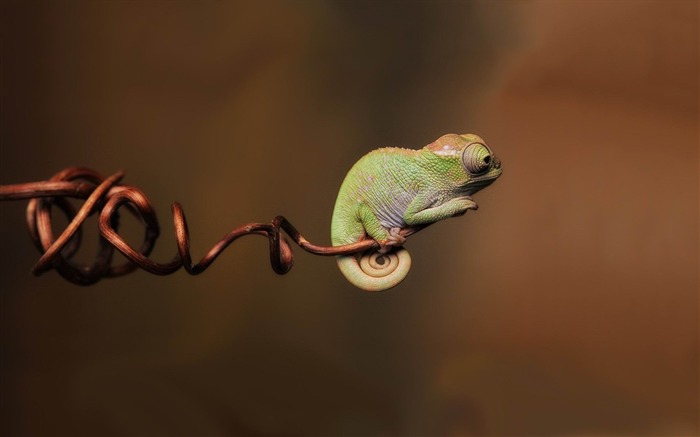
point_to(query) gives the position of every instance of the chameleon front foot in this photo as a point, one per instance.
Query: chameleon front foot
(375, 271)
(466, 204)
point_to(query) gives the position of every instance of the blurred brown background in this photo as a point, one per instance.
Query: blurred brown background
(567, 305)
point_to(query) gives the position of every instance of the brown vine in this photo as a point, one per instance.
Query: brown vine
(105, 196)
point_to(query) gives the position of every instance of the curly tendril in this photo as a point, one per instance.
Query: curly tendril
(105, 196)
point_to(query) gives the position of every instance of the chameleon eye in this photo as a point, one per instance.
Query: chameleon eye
(476, 158)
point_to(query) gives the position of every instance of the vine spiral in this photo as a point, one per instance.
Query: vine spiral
(105, 196)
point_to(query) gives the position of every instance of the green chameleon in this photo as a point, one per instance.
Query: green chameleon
(392, 192)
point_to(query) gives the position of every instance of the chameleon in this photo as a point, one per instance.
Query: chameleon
(393, 192)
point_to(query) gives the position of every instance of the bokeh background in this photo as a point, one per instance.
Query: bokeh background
(567, 305)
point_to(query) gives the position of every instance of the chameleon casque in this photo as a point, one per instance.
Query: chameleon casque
(393, 192)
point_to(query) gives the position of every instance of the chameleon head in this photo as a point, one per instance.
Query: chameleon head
(480, 166)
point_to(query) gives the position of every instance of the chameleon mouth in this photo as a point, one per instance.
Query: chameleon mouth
(484, 181)
(488, 177)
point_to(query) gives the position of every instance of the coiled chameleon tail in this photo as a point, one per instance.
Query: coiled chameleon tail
(374, 271)
(393, 192)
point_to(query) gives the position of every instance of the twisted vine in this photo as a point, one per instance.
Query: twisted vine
(105, 196)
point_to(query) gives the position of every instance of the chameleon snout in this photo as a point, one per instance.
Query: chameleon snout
(496, 161)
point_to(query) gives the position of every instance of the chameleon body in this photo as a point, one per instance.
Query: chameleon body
(393, 192)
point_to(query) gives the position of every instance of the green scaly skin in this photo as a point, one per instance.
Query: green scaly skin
(393, 192)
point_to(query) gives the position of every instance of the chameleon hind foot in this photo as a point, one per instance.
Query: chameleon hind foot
(395, 239)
